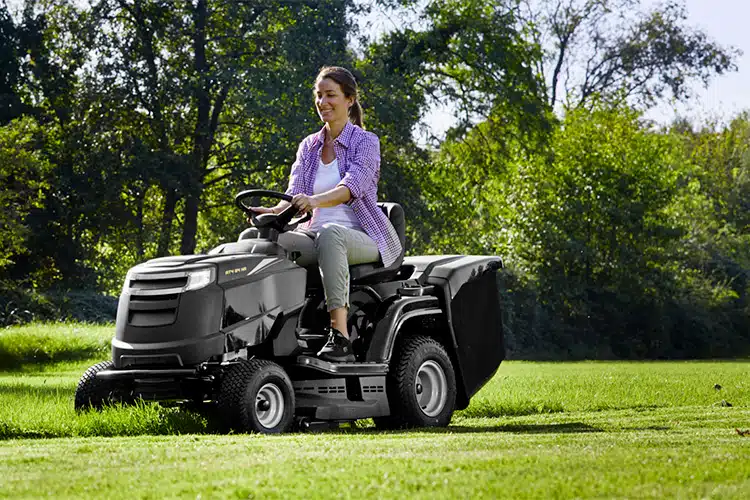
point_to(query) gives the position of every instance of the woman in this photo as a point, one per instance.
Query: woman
(336, 175)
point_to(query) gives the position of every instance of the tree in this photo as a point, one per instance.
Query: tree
(23, 175)
(155, 109)
(9, 67)
(204, 74)
(715, 207)
(616, 49)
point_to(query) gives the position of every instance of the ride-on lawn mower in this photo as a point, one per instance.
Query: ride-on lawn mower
(237, 330)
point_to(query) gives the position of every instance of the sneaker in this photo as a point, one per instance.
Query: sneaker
(337, 349)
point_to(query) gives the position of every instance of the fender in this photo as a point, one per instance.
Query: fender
(388, 327)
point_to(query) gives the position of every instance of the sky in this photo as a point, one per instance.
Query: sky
(727, 22)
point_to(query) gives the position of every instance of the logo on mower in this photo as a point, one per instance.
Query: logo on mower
(238, 270)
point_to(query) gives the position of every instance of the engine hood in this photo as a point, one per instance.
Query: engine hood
(228, 267)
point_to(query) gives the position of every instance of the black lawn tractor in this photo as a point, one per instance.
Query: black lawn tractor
(236, 331)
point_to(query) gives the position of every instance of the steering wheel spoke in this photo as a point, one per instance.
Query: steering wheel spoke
(287, 220)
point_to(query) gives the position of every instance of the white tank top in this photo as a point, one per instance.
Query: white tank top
(326, 179)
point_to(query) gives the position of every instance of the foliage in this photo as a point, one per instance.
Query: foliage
(598, 233)
(23, 176)
(10, 102)
(621, 49)
(20, 305)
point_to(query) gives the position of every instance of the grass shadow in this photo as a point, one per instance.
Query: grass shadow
(136, 419)
(559, 428)
(36, 390)
(499, 411)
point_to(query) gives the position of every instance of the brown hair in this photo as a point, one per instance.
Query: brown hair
(348, 84)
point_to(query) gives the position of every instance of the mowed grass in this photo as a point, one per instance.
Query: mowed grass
(53, 342)
(536, 430)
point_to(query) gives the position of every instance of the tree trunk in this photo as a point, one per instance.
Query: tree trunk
(190, 228)
(201, 134)
(207, 122)
(165, 234)
(139, 225)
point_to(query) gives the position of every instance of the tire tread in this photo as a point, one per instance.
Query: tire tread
(90, 390)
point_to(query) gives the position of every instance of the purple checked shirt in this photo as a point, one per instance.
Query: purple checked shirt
(358, 155)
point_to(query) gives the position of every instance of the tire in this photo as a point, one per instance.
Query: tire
(92, 392)
(421, 386)
(256, 396)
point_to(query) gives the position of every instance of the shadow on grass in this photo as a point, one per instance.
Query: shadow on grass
(137, 419)
(565, 428)
(485, 409)
(41, 391)
(561, 428)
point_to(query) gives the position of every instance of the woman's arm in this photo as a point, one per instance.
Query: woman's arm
(277, 209)
(336, 196)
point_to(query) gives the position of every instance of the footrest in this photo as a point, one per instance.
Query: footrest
(306, 333)
(311, 341)
(355, 368)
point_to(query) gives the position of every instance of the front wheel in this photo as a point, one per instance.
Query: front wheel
(256, 396)
(421, 385)
(91, 391)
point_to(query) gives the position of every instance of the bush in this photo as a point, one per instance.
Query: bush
(22, 305)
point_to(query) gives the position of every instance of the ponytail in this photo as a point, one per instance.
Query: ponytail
(355, 114)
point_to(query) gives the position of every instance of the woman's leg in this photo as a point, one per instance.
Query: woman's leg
(339, 247)
(294, 241)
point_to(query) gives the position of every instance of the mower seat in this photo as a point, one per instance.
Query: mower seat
(367, 274)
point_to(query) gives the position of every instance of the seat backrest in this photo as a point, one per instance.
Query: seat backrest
(374, 273)
(395, 214)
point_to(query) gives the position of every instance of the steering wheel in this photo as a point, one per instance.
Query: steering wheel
(282, 222)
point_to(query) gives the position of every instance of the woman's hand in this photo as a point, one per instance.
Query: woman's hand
(304, 203)
(259, 211)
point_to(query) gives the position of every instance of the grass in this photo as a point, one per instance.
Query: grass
(53, 342)
(537, 430)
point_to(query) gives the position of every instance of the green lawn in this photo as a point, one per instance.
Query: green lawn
(53, 342)
(543, 430)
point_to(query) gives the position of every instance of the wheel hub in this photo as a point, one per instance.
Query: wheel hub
(431, 387)
(269, 405)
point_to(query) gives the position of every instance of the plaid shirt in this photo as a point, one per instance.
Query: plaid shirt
(358, 155)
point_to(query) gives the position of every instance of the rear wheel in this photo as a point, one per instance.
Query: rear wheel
(256, 396)
(92, 392)
(421, 385)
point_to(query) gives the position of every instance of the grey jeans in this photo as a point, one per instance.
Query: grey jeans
(334, 249)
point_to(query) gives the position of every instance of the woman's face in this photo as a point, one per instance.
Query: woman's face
(330, 101)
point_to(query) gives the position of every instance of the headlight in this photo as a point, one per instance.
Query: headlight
(168, 282)
(199, 279)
